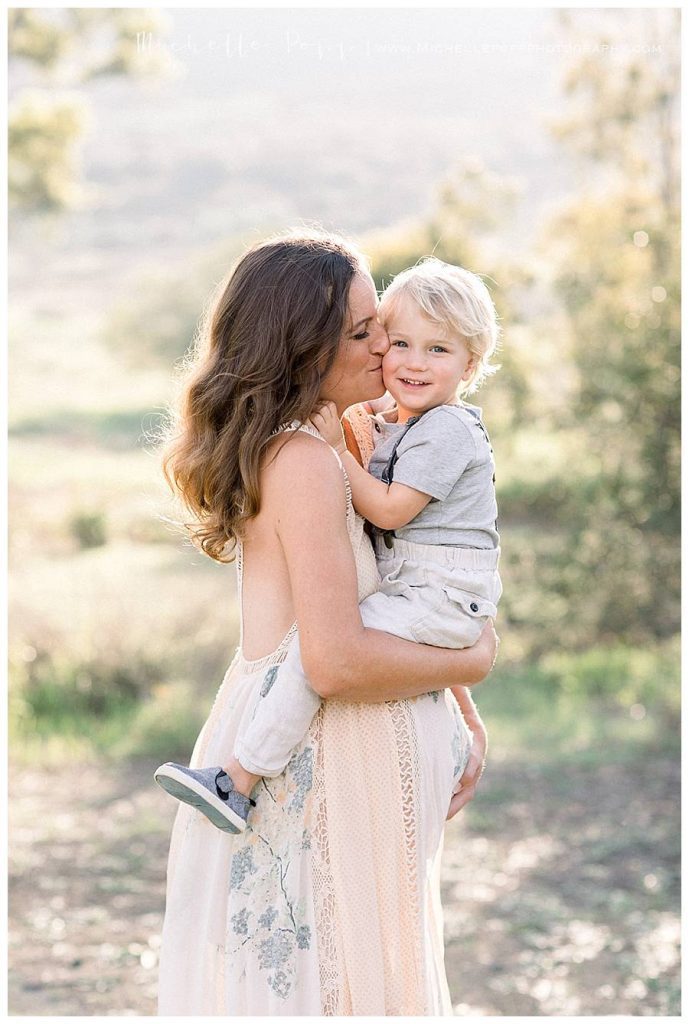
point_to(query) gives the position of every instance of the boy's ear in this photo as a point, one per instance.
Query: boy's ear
(471, 366)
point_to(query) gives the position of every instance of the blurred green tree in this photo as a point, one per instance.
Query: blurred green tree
(616, 262)
(471, 207)
(52, 52)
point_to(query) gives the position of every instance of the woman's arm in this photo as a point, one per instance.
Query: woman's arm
(341, 658)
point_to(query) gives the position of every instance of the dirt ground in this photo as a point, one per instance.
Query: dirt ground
(560, 887)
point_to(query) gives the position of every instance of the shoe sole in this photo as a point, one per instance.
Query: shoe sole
(189, 791)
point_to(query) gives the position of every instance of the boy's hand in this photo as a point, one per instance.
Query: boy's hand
(384, 404)
(327, 423)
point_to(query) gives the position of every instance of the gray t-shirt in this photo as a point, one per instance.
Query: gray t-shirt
(446, 454)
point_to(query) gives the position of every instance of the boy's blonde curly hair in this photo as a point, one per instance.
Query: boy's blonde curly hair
(457, 300)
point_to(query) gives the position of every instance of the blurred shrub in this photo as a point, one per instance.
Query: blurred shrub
(470, 204)
(98, 638)
(570, 583)
(605, 702)
(158, 322)
(616, 271)
(88, 529)
(165, 725)
(623, 676)
(109, 710)
(54, 689)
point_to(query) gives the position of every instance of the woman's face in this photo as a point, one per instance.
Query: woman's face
(356, 374)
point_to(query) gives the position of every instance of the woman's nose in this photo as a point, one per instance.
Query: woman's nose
(380, 342)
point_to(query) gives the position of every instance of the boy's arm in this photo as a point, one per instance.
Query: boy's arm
(387, 506)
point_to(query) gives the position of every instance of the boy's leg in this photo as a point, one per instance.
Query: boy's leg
(281, 718)
(433, 617)
(209, 790)
(386, 612)
(242, 780)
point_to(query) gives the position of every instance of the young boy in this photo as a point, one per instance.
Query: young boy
(430, 494)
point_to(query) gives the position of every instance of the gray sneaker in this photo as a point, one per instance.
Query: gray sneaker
(210, 790)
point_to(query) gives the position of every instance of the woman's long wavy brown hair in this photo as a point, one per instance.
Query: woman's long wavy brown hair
(261, 354)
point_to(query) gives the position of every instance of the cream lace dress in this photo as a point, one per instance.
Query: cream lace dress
(329, 903)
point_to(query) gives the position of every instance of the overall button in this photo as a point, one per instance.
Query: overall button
(473, 606)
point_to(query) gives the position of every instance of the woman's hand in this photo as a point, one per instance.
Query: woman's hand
(465, 790)
(327, 423)
(486, 651)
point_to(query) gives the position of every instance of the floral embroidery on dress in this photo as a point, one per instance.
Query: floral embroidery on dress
(457, 753)
(462, 740)
(240, 922)
(242, 865)
(268, 918)
(267, 907)
(270, 678)
(301, 767)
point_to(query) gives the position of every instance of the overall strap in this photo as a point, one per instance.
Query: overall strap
(390, 467)
(481, 426)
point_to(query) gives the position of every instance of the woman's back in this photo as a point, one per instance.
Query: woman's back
(266, 587)
(267, 595)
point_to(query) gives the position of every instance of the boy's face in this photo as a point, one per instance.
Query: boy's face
(425, 363)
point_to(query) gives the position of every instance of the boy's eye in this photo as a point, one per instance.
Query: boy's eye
(399, 343)
(438, 348)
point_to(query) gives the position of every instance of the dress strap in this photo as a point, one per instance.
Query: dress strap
(239, 560)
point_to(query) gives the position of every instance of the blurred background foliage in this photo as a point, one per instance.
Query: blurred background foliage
(584, 414)
(65, 49)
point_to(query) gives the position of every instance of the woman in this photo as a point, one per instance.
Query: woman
(329, 903)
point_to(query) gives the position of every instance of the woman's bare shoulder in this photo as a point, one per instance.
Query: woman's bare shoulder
(297, 463)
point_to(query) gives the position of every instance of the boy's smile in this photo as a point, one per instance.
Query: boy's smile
(425, 363)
